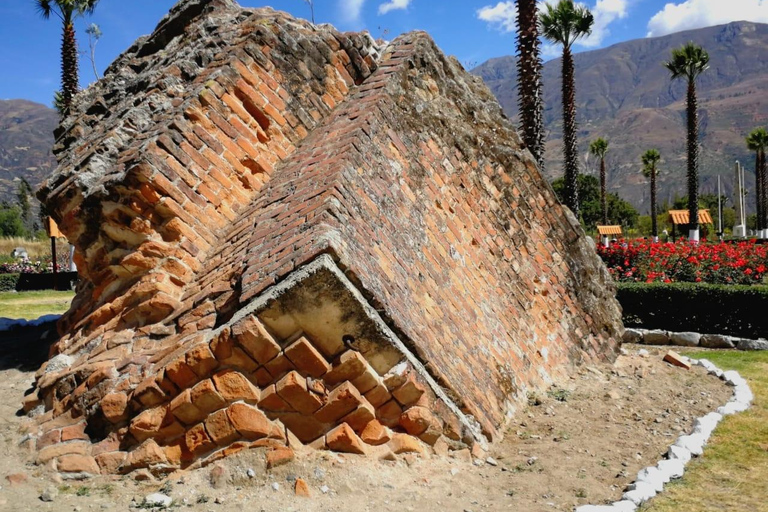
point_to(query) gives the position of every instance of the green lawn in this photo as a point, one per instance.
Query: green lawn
(31, 305)
(733, 473)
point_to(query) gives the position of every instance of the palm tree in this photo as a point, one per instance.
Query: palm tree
(757, 141)
(598, 148)
(529, 89)
(688, 62)
(67, 11)
(564, 24)
(650, 159)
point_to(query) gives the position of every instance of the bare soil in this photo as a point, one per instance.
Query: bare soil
(582, 442)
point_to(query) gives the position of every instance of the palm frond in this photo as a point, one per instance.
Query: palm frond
(566, 22)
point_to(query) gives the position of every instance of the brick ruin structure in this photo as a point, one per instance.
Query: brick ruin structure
(291, 236)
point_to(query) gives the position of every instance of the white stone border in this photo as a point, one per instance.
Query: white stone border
(650, 481)
(690, 339)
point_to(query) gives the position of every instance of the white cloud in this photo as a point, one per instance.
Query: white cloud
(692, 14)
(502, 17)
(351, 9)
(605, 13)
(392, 5)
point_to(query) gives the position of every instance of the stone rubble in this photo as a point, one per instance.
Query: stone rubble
(691, 339)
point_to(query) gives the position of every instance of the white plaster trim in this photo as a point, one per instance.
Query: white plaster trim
(650, 481)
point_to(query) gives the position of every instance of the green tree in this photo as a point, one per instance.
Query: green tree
(529, 87)
(10, 221)
(688, 62)
(67, 11)
(564, 24)
(619, 210)
(650, 159)
(757, 141)
(23, 191)
(598, 148)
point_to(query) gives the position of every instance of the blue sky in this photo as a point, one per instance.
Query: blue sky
(472, 30)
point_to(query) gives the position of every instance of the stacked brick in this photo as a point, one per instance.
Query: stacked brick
(231, 148)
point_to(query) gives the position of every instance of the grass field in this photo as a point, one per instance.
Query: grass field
(733, 473)
(35, 248)
(31, 305)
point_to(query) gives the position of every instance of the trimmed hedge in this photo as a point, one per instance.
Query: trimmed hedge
(705, 308)
(8, 282)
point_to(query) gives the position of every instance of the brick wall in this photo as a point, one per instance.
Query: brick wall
(231, 148)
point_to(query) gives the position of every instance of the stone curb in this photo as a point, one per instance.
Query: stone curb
(650, 481)
(691, 339)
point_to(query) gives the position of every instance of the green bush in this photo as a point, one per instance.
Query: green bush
(706, 308)
(8, 282)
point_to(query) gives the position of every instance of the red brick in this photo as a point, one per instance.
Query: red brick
(74, 432)
(306, 358)
(250, 421)
(183, 408)
(49, 438)
(367, 380)
(305, 428)
(220, 429)
(255, 339)
(271, 401)
(59, 449)
(349, 366)
(375, 434)
(279, 456)
(343, 439)
(403, 443)
(341, 401)
(77, 464)
(360, 417)
(293, 389)
(144, 455)
(233, 385)
(279, 366)
(416, 420)
(301, 488)
(200, 359)
(408, 393)
(389, 413)
(378, 395)
(262, 377)
(198, 441)
(181, 374)
(205, 397)
(110, 462)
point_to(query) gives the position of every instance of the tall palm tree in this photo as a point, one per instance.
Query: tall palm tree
(598, 148)
(650, 159)
(529, 88)
(688, 62)
(564, 24)
(757, 141)
(67, 11)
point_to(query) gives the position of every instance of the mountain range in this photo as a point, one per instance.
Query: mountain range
(26, 139)
(625, 95)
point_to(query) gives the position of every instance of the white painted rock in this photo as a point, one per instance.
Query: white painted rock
(679, 453)
(624, 506)
(733, 378)
(671, 468)
(651, 476)
(743, 394)
(595, 508)
(158, 500)
(706, 424)
(694, 443)
(642, 493)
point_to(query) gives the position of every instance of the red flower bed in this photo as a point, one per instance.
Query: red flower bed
(682, 261)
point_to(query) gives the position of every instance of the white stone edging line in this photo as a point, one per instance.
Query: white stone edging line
(650, 481)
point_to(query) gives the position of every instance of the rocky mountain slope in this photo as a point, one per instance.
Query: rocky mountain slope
(625, 94)
(26, 139)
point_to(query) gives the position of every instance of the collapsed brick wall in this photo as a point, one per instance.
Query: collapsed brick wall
(232, 150)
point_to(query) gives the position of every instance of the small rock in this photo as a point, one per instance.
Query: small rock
(613, 394)
(319, 474)
(531, 461)
(491, 462)
(301, 488)
(324, 489)
(454, 471)
(219, 501)
(656, 337)
(717, 341)
(745, 344)
(643, 353)
(16, 478)
(250, 473)
(219, 476)
(275, 486)
(632, 336)
(49, 494)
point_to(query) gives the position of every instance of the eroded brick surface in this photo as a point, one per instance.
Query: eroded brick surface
(206, 170)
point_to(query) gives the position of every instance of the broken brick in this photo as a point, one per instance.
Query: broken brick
(205, 397)
(249, 421)
(306, 358)
(233, 385)
(343, 439)
(340, 402)
(293, 389)
(279, 456)
(255, 340)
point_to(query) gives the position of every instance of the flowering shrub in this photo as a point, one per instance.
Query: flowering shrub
(682, 261)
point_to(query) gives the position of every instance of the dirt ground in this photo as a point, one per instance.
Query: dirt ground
(580, 443)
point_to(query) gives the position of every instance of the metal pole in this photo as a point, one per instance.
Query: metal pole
(55, 271)
(719, 211)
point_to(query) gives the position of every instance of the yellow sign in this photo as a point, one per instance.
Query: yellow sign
(52, 228)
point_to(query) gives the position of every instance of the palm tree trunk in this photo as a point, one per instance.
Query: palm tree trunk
(758, 191)
(603, 202)
(69, 71)
(764, 189)
(654, 227)
(569, 134)
(693, 157)
(529, 67)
